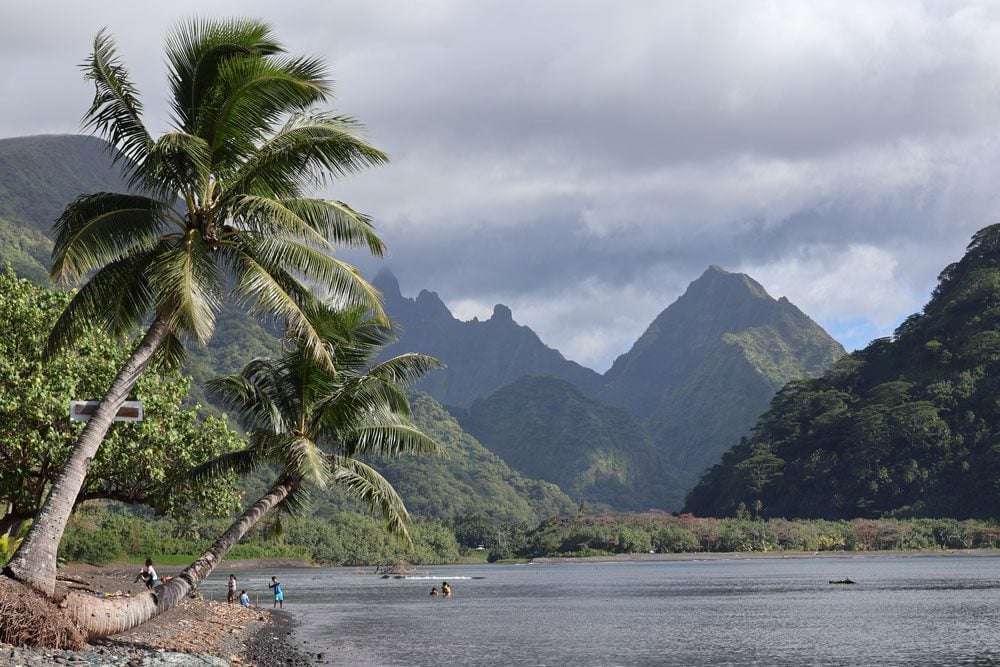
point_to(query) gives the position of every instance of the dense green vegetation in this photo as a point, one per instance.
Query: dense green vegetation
(470, 481)
(600, 455)
(99, 535)
(661, 533)
(906, 427)
(145, 462)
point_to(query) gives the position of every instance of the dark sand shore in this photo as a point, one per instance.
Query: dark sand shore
(195, 632)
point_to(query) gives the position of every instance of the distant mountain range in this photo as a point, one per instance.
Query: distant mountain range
(481, 356)
(635, 438)
(694, 383)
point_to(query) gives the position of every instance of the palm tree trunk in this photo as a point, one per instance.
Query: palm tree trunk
(101, 618)
(34, 563)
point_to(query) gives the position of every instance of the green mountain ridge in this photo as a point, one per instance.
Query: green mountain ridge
(907, 426)
(708, 365)
(482, 356)
(600, 455)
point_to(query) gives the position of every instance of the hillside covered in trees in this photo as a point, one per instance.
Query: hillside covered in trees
(601, 455)
(908, 426)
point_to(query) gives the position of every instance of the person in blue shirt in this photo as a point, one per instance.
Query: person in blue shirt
(279, 598)
(244, 599)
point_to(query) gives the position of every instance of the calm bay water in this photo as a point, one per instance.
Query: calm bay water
(942, 610)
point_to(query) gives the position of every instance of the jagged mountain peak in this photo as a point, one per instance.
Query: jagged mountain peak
(385, 281)
(716, 280)
(481, 356)
(502, 313)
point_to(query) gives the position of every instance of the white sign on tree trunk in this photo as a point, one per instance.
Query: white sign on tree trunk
(130, 411)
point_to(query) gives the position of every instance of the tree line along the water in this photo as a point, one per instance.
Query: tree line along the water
(101, 534)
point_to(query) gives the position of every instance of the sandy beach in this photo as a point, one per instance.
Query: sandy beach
(197, 631)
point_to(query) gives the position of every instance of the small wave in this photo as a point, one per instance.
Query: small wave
(436, 578)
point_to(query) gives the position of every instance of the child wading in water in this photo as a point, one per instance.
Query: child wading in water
(279, 598)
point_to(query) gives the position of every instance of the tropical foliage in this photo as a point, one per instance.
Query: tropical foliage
(600, 455)
(907, 426)
(316, 422)
(609, 534)
(146, 462)
(101, 535)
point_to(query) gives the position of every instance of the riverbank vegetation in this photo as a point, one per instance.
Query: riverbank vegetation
(102, 534)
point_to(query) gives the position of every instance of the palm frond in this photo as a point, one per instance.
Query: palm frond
(117, 298)
(337, 278)
(170, 356)
(96, 229)
(309, 146)
(241, 462)
(306, 460)
(265, 215)
(391, 440)
(187, 282)
(338, 223)
(195, 51)
(407, 368)
(116, 113)
(178, 164)
(256, 93)
(254, 407)
(366, 485)
(272, 291)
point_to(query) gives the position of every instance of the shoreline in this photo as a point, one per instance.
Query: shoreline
(211, 633)
(757, 555)
(197, 631)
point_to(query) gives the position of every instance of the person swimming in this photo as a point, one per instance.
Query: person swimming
(445, 589)
(434, 591)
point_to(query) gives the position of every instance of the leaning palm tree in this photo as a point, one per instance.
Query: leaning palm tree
(310, 422)
(219, 203)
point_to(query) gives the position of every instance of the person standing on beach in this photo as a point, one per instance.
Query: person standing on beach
(279, 597)
(231, 591)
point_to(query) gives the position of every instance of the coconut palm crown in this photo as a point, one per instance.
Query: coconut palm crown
(220, 199)
(316, 424)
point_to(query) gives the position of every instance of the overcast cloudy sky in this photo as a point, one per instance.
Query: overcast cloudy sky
(583, 161)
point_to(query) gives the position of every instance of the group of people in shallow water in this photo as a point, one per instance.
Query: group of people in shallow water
(275, 586)
(445, 590)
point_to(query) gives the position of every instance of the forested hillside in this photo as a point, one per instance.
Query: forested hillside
(39, 175)
(908, 426)
(470, 481)
(598, 454)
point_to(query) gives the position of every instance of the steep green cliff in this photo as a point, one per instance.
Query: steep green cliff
(909, 425)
